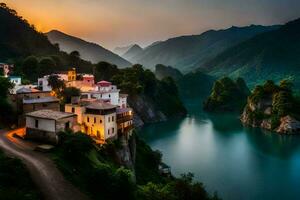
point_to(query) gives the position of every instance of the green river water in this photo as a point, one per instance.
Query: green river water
(239, 163)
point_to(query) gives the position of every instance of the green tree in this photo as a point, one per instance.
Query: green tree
(56, 84)
(30, 67)
(75, 146)
(286, 85)
(75, 58)
(105, 71)
(5, 87)
(70, 92)
(46, 66)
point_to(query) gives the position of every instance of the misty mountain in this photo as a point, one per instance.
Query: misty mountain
(121, 50)
(271, 55)
(132, 52)
(187, 53)
(88, 51)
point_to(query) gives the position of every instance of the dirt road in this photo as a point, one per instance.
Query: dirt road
(43, 171)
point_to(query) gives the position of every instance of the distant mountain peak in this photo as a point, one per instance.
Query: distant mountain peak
(132, 52)
(88, 50)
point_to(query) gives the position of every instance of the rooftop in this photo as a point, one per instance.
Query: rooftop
(123, 95)
(26, 90)
(100, 106)
(50, 114)
(101, 92)
(40, 100)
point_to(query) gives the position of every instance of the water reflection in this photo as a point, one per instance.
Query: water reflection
(238, 162)
(273, 144)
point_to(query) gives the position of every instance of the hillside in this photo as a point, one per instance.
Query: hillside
(195, 85)
(88, 51)
(19, 39)
(132, 52)
(30, 51)
(189, 52)
(227, 95)
(272, 55)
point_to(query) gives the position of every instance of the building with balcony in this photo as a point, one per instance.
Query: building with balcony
(99, 121)
(124, 122)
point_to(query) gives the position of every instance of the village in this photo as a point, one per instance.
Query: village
(100, 111)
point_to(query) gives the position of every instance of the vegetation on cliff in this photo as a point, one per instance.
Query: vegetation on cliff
(136, 81)
(98, 172)
(271, 106)
(6, 110)
(15, 181)
(227, 95)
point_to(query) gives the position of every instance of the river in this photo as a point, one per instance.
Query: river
(237, 162)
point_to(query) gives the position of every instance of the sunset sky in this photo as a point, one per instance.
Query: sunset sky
(114, 23)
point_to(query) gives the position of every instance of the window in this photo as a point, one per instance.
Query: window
(88, 119)
(100, 121)
(112, 130)
(112, 118)
(108, 132)
(109, 95)
(67, 126)
(36, 123)
(94, 120)
(73, 110)
(108, 119)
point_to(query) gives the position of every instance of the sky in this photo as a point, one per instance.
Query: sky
(113, 23)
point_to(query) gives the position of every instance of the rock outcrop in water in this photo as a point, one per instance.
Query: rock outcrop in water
(273, 108)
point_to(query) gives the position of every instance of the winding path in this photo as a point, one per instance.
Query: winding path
(42, 169)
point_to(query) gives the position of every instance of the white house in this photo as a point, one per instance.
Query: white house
(44, 125)
(108, 93)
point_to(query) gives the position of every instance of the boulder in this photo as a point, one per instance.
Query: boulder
(289, 125)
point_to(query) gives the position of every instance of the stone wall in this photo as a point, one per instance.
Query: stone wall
(41, 136)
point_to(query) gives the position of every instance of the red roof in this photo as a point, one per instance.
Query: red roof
(104, 83)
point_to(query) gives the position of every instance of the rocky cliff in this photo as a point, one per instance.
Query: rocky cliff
(145, 111)
(273, 108)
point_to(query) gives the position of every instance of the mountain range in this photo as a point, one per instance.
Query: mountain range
(271, 55)
(88, 51)
(187, 53)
